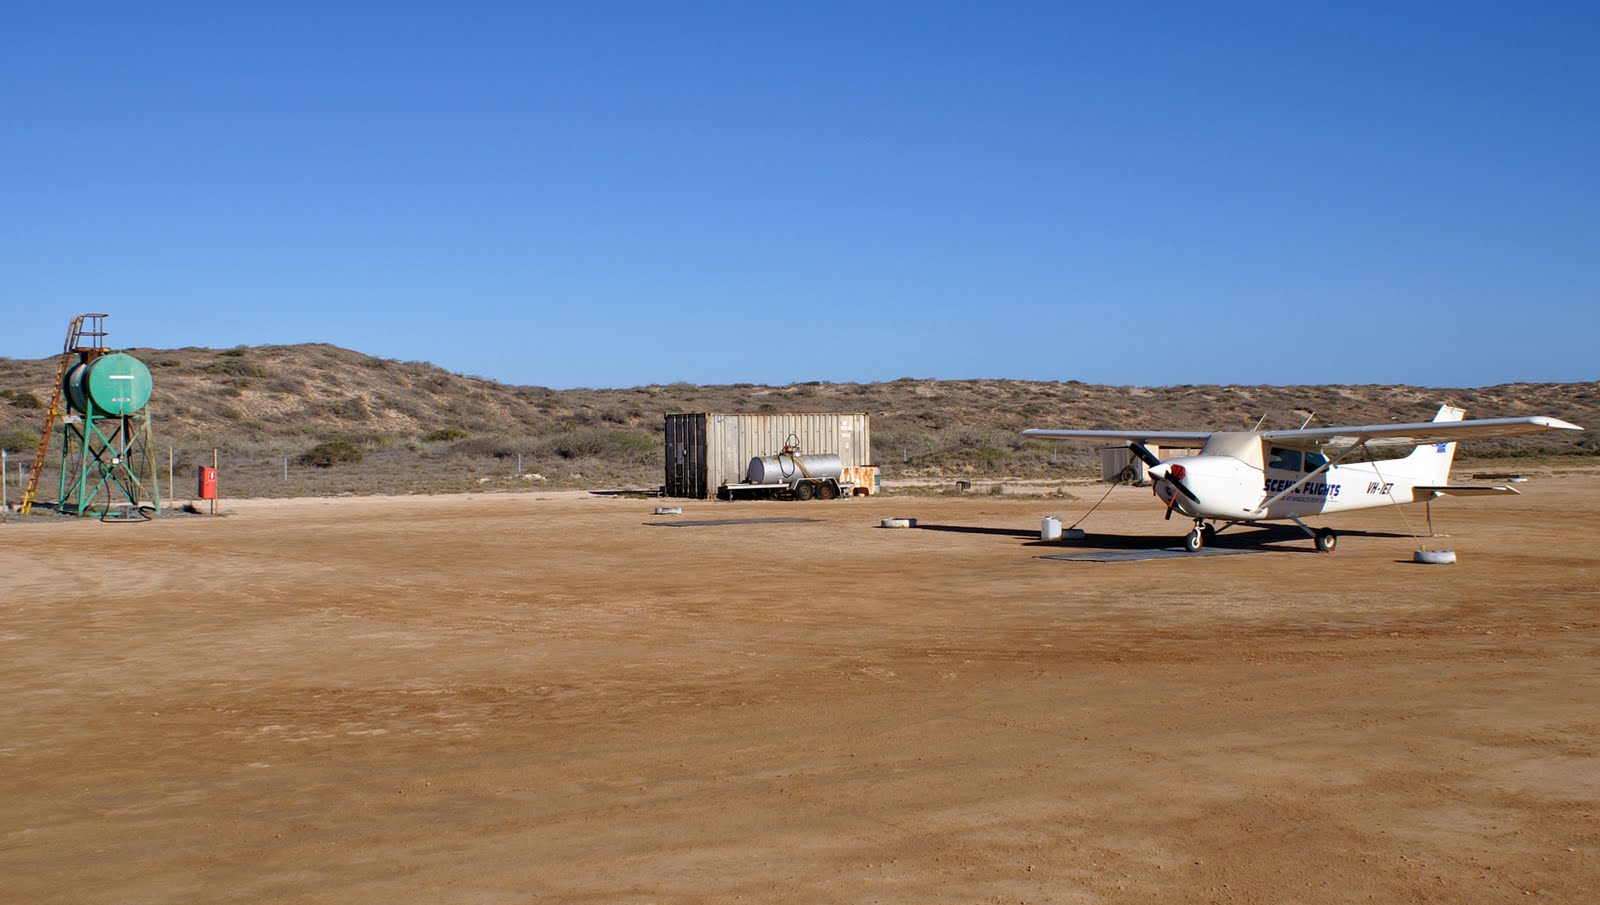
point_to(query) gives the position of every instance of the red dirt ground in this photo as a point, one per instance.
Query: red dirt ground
(554, 698)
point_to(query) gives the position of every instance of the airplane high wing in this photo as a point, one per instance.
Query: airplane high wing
(1193, 438)
(1414, 434)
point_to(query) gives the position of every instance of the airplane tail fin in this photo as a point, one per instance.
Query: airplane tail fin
(1430, 463)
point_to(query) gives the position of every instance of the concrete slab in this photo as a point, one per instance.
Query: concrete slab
(719, 522)
(1161, 553)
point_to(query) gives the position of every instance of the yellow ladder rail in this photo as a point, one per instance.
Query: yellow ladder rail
(53, 411)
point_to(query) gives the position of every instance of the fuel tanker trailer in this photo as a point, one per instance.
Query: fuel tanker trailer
(792, 475)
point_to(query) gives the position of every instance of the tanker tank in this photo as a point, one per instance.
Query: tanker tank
(787, 467)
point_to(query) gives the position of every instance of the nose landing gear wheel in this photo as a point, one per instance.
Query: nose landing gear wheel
(1326, 540)
(1208, 535)
(1194, 540)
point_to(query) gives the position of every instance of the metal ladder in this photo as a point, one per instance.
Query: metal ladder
(83, 326)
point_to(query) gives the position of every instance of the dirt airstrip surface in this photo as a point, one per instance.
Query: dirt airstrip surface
(556, 697)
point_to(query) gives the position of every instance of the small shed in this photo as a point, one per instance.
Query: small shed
(706, 451)
(1116, 460)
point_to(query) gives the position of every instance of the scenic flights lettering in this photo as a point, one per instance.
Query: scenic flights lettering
(1277, 485)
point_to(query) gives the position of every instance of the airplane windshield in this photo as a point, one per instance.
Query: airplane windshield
(1315, 461)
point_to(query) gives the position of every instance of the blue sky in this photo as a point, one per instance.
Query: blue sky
(615, 194)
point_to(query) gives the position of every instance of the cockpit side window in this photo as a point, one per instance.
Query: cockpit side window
(1315, 461)
(1284, 459)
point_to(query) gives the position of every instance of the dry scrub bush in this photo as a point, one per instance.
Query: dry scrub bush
(329, 453)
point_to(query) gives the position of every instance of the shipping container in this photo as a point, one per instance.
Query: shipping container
(705, 452)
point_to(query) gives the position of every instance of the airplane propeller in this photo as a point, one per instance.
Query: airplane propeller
(1174, 474)
(1144, 454)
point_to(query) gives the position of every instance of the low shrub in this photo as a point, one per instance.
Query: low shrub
(444, 435)
(329, 453)
(16, 441)
(630, 447)
(287, 385)
(23, 400)
(350, 408)
(236, 367)
(497, 446)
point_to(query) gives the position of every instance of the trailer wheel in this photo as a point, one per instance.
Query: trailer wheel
(827, 490)
(804, 490)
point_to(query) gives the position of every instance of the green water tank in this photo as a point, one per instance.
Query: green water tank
(117, 384)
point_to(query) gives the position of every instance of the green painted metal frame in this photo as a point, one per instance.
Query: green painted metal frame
(118, 461)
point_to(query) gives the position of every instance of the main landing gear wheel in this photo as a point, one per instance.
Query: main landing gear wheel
(827, 491)
(1326, 540)
(804, 490)
(1194, 540)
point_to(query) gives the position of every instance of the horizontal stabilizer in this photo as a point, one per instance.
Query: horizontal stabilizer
(1422, 491)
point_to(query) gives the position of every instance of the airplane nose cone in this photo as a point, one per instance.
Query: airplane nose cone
(1158, 480)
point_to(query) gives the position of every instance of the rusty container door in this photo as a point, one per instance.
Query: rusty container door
(686, 457)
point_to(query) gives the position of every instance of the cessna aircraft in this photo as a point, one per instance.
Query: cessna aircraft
(1249, 477)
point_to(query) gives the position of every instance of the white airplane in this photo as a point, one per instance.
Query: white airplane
(1249, 477)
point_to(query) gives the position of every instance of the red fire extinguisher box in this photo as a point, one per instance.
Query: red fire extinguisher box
(208, 482)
